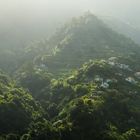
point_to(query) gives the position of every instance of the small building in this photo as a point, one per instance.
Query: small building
(105, 85)
(131, 80)
(124, 66)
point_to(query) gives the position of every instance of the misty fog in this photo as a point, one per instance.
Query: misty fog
(69, 70)
(24, 20)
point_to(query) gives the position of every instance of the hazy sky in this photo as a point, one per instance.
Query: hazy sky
(26, 10)
(21, 19)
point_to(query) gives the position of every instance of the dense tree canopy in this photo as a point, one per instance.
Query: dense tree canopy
(83, 83)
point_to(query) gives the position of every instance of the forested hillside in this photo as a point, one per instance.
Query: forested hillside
(81, 83)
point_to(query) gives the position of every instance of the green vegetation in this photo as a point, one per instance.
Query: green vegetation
(83, 83)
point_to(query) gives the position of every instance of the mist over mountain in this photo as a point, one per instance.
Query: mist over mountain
(67, 74)
(123, 27)
(25, 21)
(82, 39)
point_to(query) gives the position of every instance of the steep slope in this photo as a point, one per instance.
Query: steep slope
(82, 39)
(76, 42)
